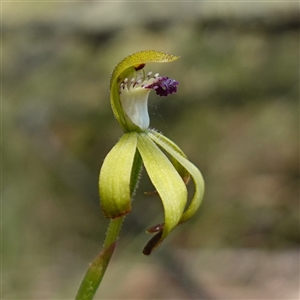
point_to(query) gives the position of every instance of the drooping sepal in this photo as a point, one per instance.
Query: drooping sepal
(185, 175)
(167, 183)
(172, 149)
(115, 187)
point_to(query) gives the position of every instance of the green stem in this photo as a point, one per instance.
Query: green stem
(96, 271)
(113, 231)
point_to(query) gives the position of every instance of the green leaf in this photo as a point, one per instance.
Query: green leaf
(197, 178)
(115, 177)
(126, 67)
(166, 180)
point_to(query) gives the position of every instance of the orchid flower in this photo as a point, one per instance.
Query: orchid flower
(166, 164)
(130, 87)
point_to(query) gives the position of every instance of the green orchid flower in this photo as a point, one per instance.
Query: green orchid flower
(166, 164)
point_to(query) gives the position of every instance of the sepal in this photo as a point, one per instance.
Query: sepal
(167, 183)
(115, 187)
(196, 175)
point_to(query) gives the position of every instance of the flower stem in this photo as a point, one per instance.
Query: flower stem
(113, 231)
(96, 271)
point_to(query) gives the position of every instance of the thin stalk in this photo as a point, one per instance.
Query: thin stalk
(113, 231)
(96, 271)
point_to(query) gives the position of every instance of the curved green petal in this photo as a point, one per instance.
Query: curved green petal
(140, 58)
(164, 143)
(115, 177)
(166, 180)
(127, 66)
(185, 175)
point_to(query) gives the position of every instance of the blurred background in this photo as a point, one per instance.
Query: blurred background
(236, 115)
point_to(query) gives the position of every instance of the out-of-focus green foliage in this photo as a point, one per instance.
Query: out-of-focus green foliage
(236, 115)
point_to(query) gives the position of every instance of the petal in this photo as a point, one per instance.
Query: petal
(140, 58)
(115, 185)
(167, 182)
(135, 105)
(127, 66)
(197, 178)
(185, 175)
